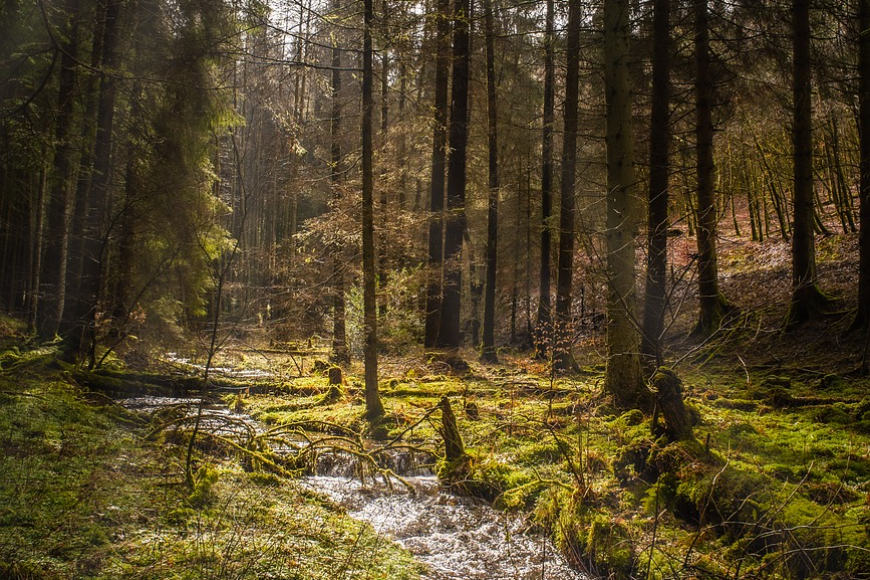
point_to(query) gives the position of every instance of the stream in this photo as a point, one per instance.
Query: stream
(458, 538)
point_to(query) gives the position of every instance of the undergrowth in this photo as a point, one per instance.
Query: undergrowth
(776, 486)
(85, 495)
(776, 483)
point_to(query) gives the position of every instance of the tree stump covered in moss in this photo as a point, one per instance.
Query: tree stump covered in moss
(453, 446)
(456, 461)
(335, 392)
(669, 397)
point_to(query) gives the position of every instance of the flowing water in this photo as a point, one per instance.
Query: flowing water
(458, 538)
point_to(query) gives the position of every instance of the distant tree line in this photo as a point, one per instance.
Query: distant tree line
(434, 173)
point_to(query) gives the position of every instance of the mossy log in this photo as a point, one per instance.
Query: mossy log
(780, 398)
(669, 399)
(127, 382)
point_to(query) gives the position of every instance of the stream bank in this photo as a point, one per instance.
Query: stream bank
(85, 494)
(455, 537)
(610, 494)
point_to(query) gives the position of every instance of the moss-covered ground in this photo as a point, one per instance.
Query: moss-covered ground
(84, 494)
(776, 485)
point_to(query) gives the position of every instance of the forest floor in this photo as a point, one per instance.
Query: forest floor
(776, 485)
(89, 489)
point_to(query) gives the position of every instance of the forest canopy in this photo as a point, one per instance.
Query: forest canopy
(167, 165)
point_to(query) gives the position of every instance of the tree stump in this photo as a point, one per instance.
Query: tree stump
(453, 446)
(334, 375)
(669, 397)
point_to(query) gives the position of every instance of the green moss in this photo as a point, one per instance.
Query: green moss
(609, 546)
(593, 540)
(179, 516)
(514, 458)
(740, 430)
(738, 404)
(85, 496)
(202, 495)
(661, 495)
(837, 413)
(631, 460)
(857, 562)
(631, 418)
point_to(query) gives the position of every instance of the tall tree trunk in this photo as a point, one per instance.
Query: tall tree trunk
(37, 244)
(563, 328)
(543, 327)
(382, 250)
(374, 408)
(475, 291)
(75, 245)
(516, 273)
(340, 353)
(713, 305)
(659, 143)
(488, 353)
(862, 317)
(119, 302)
(449, 332)
(439, 156)
(807, 299)
(84, 315)
(402, 152)
(53, 265)
(623, 379)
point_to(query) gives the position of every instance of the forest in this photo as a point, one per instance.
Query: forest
(434, 289)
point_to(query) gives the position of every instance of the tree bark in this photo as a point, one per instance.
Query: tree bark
(439, 157)
(457, 461)
(450, 332)
(807, 299)
(53, 265)
(340, 353)
(382, 250)
(659, 144)
(543, 327)
(862, 317)
(84, 315)
(75, 245)
(669, 398)
(488, 354)
(713, 305)
(563, 327)
(623, 378)
(37, 218)
(374, 408)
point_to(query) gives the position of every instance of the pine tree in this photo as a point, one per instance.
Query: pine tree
(374, 408)
(563, 327)
(623, 378)
(489, 353)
